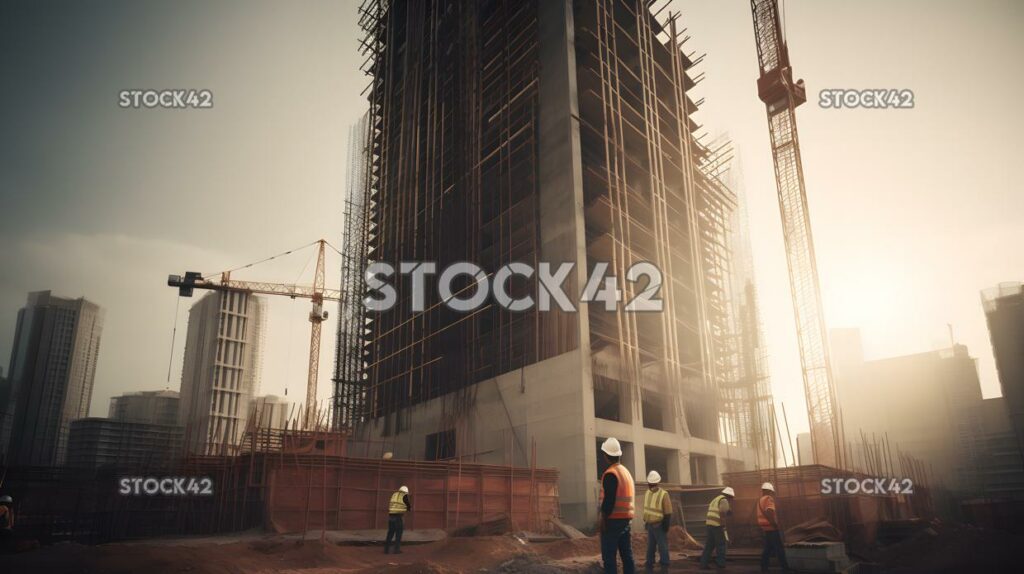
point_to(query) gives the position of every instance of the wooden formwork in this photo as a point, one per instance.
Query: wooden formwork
(800, 499)
(340, 493)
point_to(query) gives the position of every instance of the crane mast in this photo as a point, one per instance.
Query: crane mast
(781, 96)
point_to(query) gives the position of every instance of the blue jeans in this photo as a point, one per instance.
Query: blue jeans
(616, 539)
(656, 539)
(773, 545)
(715, 543)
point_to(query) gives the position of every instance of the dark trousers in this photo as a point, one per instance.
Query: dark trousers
(616, 539)
(773, 545)
(714, 544)
(657, 538)
(395, 527)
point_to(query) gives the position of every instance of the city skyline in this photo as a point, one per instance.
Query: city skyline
(900, 257)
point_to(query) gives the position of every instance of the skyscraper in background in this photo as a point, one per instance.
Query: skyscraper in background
(153, 407)
(925, 404)
(221, 373)
(1004, 311)
(52, 370)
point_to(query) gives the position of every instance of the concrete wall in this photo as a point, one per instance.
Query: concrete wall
(551, 402)
(542, 402)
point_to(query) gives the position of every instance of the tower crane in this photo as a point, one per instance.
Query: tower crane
(317, 315)
(781, 96)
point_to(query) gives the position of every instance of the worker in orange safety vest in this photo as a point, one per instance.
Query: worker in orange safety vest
(617, 492)
(768, 520)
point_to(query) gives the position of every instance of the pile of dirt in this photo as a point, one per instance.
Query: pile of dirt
(561, 549)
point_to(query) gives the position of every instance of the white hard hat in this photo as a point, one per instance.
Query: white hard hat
(653, 477)
(5, 498)
(611, 447)
(728, 491)
(404, 489)
(768, 486)
(388, 455)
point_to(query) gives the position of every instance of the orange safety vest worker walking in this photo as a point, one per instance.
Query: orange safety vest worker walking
(617, 491)
(768, 520)
(718, 538)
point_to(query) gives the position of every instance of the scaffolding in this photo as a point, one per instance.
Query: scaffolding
(453, 174)
(349, 373)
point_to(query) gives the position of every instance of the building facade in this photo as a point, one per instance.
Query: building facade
(546, 132)
(925, 404)
(152, 407)
(1004, 311)
(98, 442)
(221, 372)
(1000, 466)
(52, 371)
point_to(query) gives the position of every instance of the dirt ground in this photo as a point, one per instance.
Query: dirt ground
(266, 554)
(959, 550)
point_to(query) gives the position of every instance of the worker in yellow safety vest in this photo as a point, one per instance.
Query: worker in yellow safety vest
(617, 490)
(657, 518)
(718, 537)
(397, 507)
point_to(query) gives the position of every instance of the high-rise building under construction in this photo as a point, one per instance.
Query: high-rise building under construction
(544, 131)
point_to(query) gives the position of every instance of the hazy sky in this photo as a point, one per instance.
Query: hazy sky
(914, 211)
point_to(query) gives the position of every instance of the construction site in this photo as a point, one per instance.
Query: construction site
(525, 132)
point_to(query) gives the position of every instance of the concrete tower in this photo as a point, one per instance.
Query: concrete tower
(221, 371)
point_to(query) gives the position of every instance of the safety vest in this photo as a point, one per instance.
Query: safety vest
(763, 505)
(714, 518)
(653, 502)
(397, 504)
(623, 493)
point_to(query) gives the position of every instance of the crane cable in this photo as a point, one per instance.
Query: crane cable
(289, 252)
(174, 334)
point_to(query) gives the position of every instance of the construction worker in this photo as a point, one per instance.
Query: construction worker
(397, 507)
(657, 518)
(768, 520)
(6, 521)
(718, 536)
(617, 490)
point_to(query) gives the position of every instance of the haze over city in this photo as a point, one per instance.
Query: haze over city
(914, 211)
